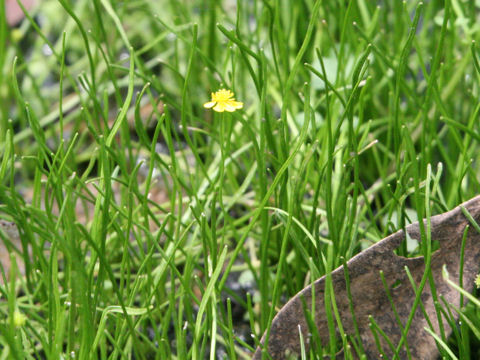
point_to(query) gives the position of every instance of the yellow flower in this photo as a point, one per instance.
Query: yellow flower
(477, 281)
(19, 319)
(223, 100)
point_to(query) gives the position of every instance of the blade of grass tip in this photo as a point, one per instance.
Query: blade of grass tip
(251, 318)
(123, 112)
(230, 35)
(325, 80)
(118, 24)
(83, 33)
(138, 121)
(470, 297)
(470, 218)
(16, 89)
(300, 225)
(358, 72)
(374, 328)
(230, 331)
(110, 310)
(39, 135)
(437, 190)
(467, 320)
(303, 353)
(442, 343)
(448, 315)
(68, 152)
(244, 51)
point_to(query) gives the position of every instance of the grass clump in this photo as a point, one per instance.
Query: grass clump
(150, 227)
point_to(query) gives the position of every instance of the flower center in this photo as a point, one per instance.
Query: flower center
(223, 95)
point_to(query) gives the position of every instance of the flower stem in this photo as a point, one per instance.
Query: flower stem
(223, 151)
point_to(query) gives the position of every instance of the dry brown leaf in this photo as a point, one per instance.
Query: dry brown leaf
(370, 297)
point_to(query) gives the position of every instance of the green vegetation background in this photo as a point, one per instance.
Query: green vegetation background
(152, 228)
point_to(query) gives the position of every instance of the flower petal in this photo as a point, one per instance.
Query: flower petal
(220, 107)
(209, 105)
(234, 105)
(229, 107)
